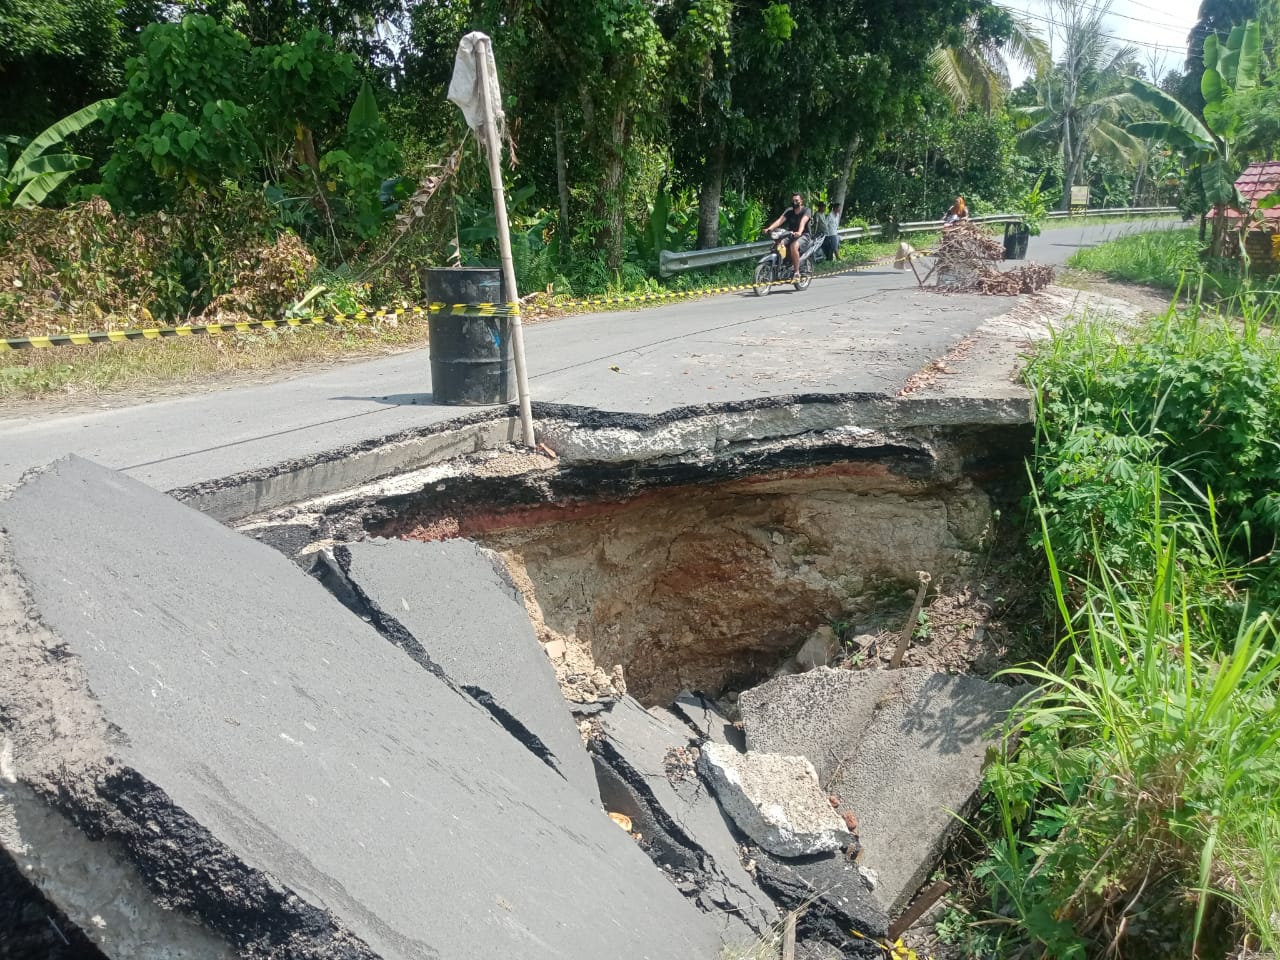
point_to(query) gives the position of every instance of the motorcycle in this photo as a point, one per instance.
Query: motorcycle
(775, 266)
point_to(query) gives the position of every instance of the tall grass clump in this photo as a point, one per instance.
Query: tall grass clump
(1137, 811)
(1159, 259)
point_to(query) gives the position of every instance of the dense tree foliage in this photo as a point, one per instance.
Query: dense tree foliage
(633, 125)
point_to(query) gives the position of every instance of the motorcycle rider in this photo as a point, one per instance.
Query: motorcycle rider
(795, 218)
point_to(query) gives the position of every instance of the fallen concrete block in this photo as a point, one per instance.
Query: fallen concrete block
(647, 773)
(701, 713)
(774, 799)
(449, 602)
(901, 749)
(818, 650)
(205, 755)
(835, 902)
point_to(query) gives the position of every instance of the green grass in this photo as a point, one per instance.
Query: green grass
(1138, 814)
(1159, 259)
(1168, 260)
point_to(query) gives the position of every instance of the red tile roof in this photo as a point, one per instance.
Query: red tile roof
(1260, 180)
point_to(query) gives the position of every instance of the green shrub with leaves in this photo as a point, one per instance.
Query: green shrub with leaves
(1135, 810)
(1193, 393)
(204, 110)
(1131, 818)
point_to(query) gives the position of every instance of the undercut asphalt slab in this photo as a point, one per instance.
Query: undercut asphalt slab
(864, 332)
(273, 765)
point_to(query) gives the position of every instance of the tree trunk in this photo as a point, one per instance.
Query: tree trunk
(838, 188)
(562, 182)
(709, 199)
(1068, 165)
(1137, 181)
(1218, 242)
(610, 202)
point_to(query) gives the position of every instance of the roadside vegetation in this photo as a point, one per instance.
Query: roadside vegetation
(1172, 260)
(1137, 815)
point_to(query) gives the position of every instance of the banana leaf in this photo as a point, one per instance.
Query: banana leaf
(58, 132)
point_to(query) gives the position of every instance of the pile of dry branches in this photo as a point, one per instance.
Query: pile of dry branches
(1025, 279)
(965, 244)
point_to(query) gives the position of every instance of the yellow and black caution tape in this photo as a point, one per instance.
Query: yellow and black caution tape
(360, 316)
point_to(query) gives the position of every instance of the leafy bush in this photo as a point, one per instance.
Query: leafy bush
(203, 109)
(85, 266)
(1137, 815)
(1194, 394)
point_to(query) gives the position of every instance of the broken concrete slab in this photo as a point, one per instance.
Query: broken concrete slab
(901, 749)
(836, 904)
(701, 713)
(647, 773)
(815, 714)
(451, 602)
(774, 799)
(205, 720)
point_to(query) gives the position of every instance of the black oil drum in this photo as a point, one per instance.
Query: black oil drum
(472, 361)
(1016, 237)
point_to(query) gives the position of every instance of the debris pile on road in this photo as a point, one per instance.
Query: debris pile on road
(1025, 279)
(963, 263)
(966, 243)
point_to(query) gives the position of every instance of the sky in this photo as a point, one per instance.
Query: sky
(1158, 28)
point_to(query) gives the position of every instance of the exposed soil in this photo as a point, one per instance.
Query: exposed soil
(711, 587)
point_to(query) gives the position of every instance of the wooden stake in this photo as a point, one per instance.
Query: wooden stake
(789, 937)
(905, 640)
(489, 133)
(931, 895)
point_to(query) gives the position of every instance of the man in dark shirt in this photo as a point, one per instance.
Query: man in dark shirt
(795, 218)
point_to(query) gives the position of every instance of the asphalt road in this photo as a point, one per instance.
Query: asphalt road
(867, 331)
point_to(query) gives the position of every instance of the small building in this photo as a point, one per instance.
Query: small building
(1262, 239)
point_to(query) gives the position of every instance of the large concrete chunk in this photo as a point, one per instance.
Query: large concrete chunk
(194, 729)
(775, 800)
(448, 601)
(902, 749)
(647, 773)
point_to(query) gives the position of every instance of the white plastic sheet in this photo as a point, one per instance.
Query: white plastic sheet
(464, 86)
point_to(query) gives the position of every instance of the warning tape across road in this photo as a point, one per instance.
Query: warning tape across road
(14, 344)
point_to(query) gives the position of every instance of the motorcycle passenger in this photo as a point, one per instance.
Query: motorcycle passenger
(795, 218)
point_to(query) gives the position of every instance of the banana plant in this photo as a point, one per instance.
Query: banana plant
(1229, 69)
(35, 174)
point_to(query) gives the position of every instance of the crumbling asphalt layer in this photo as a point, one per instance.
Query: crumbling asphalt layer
(646, 771)
(271, 767)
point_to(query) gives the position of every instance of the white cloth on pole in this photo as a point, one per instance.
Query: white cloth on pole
(464, 86)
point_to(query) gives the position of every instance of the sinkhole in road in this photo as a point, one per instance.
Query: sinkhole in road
(709, 574)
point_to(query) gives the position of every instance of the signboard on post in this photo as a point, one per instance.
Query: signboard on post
(1079, 199)
(474, 88)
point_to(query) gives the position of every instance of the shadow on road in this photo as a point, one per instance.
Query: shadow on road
(397, 399)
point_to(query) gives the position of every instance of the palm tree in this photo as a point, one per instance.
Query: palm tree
(975, 70)
(1083, 101)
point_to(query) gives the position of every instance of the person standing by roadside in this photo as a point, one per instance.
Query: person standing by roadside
(831, 233)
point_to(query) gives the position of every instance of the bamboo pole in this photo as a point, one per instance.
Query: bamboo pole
(489, 133)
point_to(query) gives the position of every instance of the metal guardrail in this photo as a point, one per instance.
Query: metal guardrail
(673, 262)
